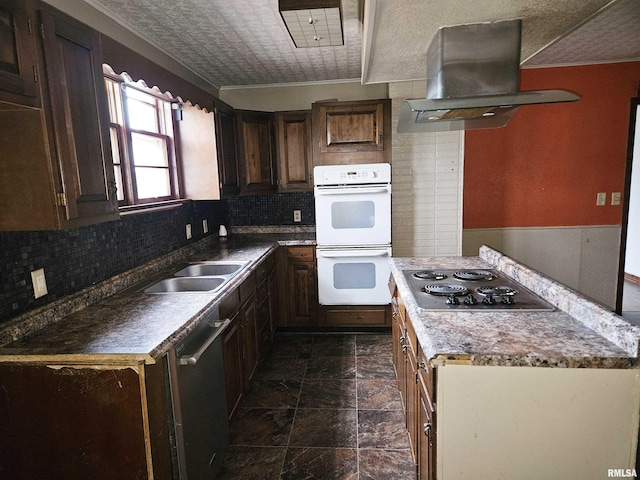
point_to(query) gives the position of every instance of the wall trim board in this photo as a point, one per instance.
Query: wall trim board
(585, 258)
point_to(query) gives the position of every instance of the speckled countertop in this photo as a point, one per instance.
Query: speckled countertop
(579, 333)
(114, 322)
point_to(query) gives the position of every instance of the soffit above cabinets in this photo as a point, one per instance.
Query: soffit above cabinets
(245, 42)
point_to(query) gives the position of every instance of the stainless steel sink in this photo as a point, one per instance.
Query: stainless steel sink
(187, 284)
(210, 268)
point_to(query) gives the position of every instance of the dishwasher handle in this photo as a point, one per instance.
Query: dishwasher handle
(193, 358)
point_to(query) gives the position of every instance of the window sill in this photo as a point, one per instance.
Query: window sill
(151, 207)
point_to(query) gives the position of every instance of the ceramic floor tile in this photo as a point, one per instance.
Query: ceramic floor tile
(380, 368)
(291, 345)
(331, 368)
(378, 395)
(281, 368)
(386, 465)
(374, 345)
(243, 463)
(333, 346)
(324, 428)
(320, 463)
(328, 394)
(382, 429)
(267, 393)
(261, 427)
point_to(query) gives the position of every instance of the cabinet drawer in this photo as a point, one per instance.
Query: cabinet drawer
(230, 304)
(356, 317)
(412, 339)
(300, 254)
(427, 374)
(265, 268)
(262, 292)
(248, 288)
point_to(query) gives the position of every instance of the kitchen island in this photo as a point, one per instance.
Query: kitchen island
(515, 394)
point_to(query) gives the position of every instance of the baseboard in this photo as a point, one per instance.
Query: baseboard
(632, 278)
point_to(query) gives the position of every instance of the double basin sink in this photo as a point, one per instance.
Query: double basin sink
(198, 277)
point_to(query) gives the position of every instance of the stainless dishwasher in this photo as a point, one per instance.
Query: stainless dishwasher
(196, 376)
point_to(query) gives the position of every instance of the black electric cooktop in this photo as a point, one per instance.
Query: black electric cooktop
(471, 289)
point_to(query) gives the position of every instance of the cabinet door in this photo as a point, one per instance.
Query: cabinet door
(295, 163)
(250, 338)
(18, 71)
(256, 147)
(226, 139)
(232, 341)
(412, 402)
(426, 435)
(352, 132)
(302, 293)
(272, 285)
(79, 120)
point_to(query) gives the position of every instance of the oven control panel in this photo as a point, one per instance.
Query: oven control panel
(352, 174)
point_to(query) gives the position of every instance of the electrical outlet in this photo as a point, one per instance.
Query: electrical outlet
(615, 198)
(602, 199)
(39, 283)
(297, 216)
(205, 226)
(188, 231)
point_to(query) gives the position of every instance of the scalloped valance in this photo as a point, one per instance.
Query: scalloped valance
(140, 84)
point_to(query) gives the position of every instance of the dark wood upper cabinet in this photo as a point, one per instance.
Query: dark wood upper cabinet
(295, 162)
(352, 132)
(256, 151)
(226, 140)
(57, 170)
(18, 69)
(79, 119)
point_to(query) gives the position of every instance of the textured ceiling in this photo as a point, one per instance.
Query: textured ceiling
(244, 42)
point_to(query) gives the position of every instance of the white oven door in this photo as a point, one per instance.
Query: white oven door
(354, 215)
(355, 276)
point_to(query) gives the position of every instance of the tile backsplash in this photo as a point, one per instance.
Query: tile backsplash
(274, 209)
(80, 257)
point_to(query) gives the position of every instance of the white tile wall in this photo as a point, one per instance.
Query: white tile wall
(427, 185)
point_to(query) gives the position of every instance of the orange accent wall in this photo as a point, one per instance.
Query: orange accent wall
(547, 165)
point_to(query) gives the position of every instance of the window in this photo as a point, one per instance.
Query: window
(142, 142)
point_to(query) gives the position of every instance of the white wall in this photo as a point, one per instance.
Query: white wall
(530, 423)
(273, 98)
(427, 185)
(583, 258)
(632, 257)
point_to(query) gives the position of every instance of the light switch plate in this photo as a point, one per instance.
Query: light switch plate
(615, 198)
(602, 199)
(188, 229)
(39, 283)
(205, 226)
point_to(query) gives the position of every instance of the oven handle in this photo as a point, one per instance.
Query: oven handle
(352, 253)
(352, 190)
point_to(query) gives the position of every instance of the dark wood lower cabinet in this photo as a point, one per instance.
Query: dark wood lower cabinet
(98, 422)
(252, 309)
(416, 383)
(232, 356)
(426, 434)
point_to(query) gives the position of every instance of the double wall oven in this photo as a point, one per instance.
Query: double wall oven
(353, 233)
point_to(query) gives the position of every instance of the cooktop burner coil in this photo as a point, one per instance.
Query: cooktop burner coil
(474, 275)
(430, 275)
(445, 289)
(498, 291)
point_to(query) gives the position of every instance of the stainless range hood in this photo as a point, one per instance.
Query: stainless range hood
(473, 76)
